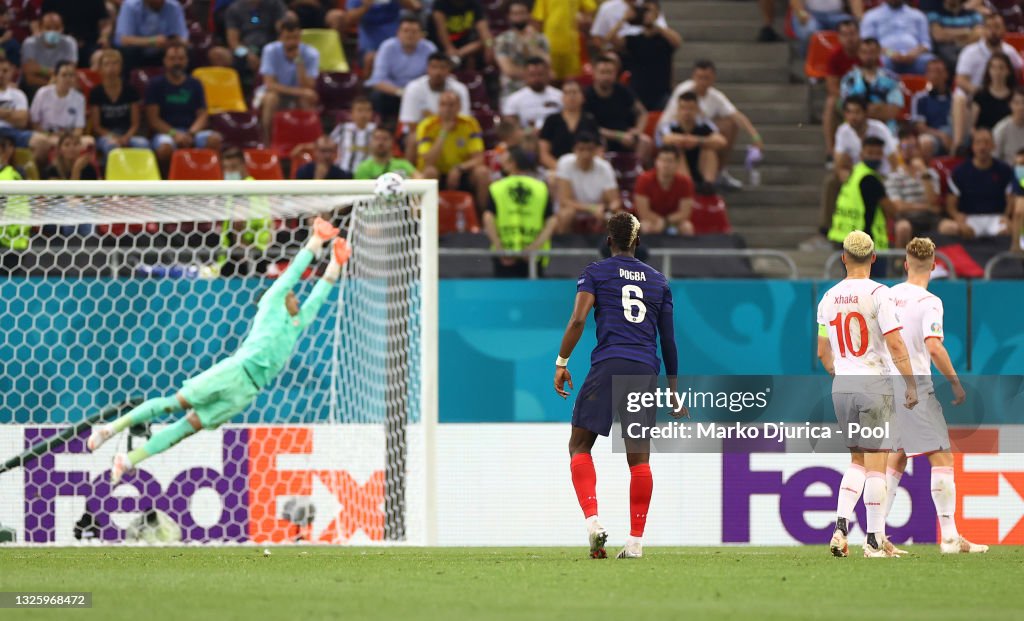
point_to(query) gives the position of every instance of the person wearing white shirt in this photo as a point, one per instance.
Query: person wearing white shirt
(609, 14)
(585, 186)
(533, 103)
(57, 108)
(420, 97)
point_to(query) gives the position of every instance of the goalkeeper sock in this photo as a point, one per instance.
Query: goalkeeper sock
(162, 440)
(849, 491)
(147, 411)
(641, 485)
(892, 485)
(584, 480)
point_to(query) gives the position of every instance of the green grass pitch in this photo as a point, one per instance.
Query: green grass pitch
(452, 584)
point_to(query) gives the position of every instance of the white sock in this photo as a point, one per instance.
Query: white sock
(850, 489)
(874, 502)
(944, 497)
(591, 521)
(631, 540)
(892, 484)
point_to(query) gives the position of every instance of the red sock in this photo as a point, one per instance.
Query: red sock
(641, 484)
(584, 480)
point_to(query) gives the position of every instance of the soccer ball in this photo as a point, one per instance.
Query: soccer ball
(389, 186)
(154, 526)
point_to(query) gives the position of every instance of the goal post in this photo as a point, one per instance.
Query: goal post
(117, 290)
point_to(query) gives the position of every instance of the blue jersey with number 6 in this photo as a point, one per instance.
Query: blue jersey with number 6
(632, 303)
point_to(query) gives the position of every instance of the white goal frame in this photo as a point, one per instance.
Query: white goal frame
(427, 190)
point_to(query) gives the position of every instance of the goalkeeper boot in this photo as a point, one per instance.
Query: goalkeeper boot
(632, 549)
(119, 468)
(960, 545)
(598, 537)
(98, 436)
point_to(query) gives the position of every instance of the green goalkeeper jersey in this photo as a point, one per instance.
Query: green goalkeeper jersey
(270, 342)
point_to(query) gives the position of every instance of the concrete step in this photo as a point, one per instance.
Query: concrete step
(785, 215)
(777, 237)
(736, 31)
(776, 54)
(776, 112)
(796, 198)
(739, 71)
(785, 175)
(808, 159)
(797, 134)
(753, 93)
(682, 12)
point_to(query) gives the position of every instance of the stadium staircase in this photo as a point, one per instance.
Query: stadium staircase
(782, 212)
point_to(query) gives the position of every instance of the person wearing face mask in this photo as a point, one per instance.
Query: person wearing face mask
(517, 45)
(41, 53)
(863, 204)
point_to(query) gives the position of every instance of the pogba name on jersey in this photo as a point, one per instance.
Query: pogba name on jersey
(629, 275)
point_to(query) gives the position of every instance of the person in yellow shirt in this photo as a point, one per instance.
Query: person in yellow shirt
(562, 20)
(450, 148)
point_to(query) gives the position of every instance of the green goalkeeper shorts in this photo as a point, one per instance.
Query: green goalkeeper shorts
(219, 393)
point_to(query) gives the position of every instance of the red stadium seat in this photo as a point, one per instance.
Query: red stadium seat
(298, 162)
(238, 129)
(263, 164)
(944, 166)
(450, 203)
(586, 76)
(709, 215)
(196, 165)
(474, 81)
(653, 116)
(87, 80)
(293, 127)
(488, 121)
(1016, 39)
(140, 78)
(337, 90)
(820, 48)
(911, 84)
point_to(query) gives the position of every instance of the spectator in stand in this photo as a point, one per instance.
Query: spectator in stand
(1009, 133)
(451, 150)
(914, 191)
(648, 53)
(114, 109)
(379, 20)
(902, 31)
(585, 186)
(563, 20)
(403, 58)
(558, 134)
(862, 203)
(146, 29)
(249, 26)
(810, 16)
(57, 108)
(699, 142)
(931, 111)
(88, 22)
(14, 118)
(663, 197)
(41, 53)
(991, 102)
(516, 46)
(353, 136)
(71, 162)
(382, 159)
(767, 33)
(314, 14)
(421, 96)
(716, 108)
(874, 83)
(10, 46)
(970, 71)
(839, 64)
(323, 166)
(289, 68)
(459, 28)
(518, 216)
(1017, 220)
(536, 101)
(176, 108)
(980, 202)
(953, 27)
(619, 114)
(609, 13)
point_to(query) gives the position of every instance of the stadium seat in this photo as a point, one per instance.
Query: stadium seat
(87, 80)
(238, 129)
(337, 90)
(488, 121)
(653, 116)
(820, 48)
(944, 166)
(474, 81)
(450, 203)
(1016, 39)
(328, 43)
(200, 41)
(292, 127)
(586, 76)
(263, 164)
(298, 162)
(140, 78)
(196, 165)
(709, 215)
(627, 168)
(132, 165)
(222, 88)
(911, 84)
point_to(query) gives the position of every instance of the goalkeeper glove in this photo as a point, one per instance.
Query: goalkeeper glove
(324, 229)
(341, 251)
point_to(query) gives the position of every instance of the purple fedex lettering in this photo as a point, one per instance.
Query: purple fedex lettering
(740, 482)
(44, 484)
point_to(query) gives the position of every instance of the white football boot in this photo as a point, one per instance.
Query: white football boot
(891, 548)
(838, 545)
(119, 468)
(632, 549)
(598, 537)
(99, 435)
(961, 546)
(885, 551)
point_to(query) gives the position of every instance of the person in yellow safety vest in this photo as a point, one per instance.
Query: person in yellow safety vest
(13, 236)
(862, 204)
(519, 215)
(255, 230)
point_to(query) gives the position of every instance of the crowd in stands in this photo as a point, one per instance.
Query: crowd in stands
(923, 120)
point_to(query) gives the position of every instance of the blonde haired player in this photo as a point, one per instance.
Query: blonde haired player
(922, 431)
(858, 331)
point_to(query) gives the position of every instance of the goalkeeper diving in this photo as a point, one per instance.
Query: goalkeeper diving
(228, 387)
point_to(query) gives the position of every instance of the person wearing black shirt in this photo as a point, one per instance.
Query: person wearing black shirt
(647, 54)
(71, 162)
(114, 108)
(323, 166)
(618, 112)
(459, 29)
(88, 21)
(558, 134)
(992, 100)
(698, 140)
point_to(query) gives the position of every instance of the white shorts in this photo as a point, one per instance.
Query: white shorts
(873, 412)
(987, 225)
(921, 430)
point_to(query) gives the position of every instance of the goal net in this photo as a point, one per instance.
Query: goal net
(115, 292)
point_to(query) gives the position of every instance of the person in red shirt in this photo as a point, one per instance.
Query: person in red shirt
(841, 61)
(663, 197)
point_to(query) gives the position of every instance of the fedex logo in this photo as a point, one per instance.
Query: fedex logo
(989, 486)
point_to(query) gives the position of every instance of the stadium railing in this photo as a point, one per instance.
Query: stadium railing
(1002, 257)
(665, 255)
(835, 257)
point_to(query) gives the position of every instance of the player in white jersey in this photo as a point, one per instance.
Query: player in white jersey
(922, 431)
(858, 332)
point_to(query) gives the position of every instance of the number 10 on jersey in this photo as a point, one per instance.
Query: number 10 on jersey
(843, 326)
